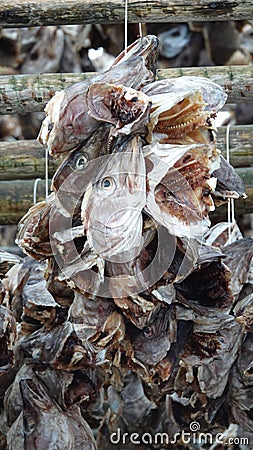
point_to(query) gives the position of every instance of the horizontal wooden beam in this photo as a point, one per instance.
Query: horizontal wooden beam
(16, 197)
(27, 13)
(26, 159)
(27, 93)
(240, 144)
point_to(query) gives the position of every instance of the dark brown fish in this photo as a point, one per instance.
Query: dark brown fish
(8, 336)
(229, 184)
(43, 425)
(153, 342)
(65, 351)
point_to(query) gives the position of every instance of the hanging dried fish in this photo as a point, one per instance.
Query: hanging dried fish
(127, 109)
(182, 109)
(229, 184)
(43, 425)
(65, 351)
(68, 122)
(33, 230)
(179, 191)
(8, 336)
(113, 202)
(239, 267)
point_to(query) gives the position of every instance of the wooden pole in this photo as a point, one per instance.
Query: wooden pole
(16, 197)
(240, 143)
(26, 93)
(26, 159)
(27, 13)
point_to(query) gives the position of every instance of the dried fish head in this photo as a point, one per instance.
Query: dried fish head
(33, 230)
(7, 260)
(8, 336)
(208, 285)
(113, 203)
(60, 349)
(239, 266)
(181, 106)
(124, 107)
(153, 342)
(229, 184)
(68, 123)
(45, 56)
(75, 163)
(43, 424)
(243, 312)
(147, 47)
(179, 187)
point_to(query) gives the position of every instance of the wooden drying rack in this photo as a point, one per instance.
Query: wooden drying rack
(21, 162)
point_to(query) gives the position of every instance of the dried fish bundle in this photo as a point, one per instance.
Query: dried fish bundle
(143, 312)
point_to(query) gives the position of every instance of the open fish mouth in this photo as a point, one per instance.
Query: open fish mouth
(119, 238)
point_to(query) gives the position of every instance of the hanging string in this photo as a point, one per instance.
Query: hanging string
(126, 27)
(126, 15)
(35, 190)
(46, 172)
(140, 30)
(231, 206)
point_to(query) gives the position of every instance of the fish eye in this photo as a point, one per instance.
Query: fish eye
(107, 184)
(81, 161)
(148, 332)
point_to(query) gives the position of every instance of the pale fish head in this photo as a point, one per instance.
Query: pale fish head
(113, 203)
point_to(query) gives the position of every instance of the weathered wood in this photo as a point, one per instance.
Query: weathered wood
(25, 160)
(240, 144)
(236, 80)
(16, 197)
(57, 12)
(27, 93)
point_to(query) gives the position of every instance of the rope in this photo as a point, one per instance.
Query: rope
(46, 172)
(231, 205)
(35, 190)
